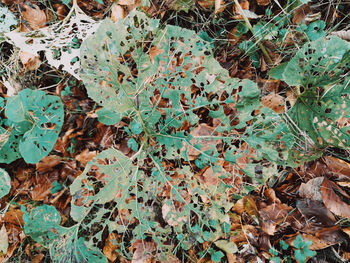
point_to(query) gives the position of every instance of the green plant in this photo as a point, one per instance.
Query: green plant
(162, 82)
(318, 73)
(303, 252)
(5, 183)
(32, 125)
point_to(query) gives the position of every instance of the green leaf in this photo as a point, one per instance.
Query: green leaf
(284, 245)
(136, 127)
(315, 30)
(43, 225)
(320, 110)
(5, 183)
(299, 256)
(299, 242)
(277, 72)
(132, 144)
(227, 246)
(318, 63)
(35, 120)
(216, 256)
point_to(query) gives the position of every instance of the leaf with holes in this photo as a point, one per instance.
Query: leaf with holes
(43, 225)
(321, 110)
(180, 107)
(7, 21)
(35, 120)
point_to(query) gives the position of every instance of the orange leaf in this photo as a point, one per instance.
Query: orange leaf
(154, 51)
(29, 61)
(274, 101)
(117, 12)
(331, 199)
(35, 17)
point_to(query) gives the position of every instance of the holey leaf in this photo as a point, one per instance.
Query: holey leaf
(35, 120)
(193, 128)
(166, 80)
(321, 111)
(43, 225)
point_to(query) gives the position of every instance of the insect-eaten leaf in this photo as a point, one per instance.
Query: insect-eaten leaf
(35, 120)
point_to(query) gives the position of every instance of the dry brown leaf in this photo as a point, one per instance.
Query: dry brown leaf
(338, 167)
(126, 2)
(109, 250)
(35, 17)
(85, 156)
(117, 12)
(154, 51)
(211, 178)
(61, 11)
(206, 3)
(263, 2)
(311, 189)
(274, 102)
(143, 251)
(48, 162)
(316, 214)
(300, 14)
(42, 188)
(272, 216)
(203, 129)
(270, 85)
(169, 215)
(14, 216)
(331, 199)
(29, 61)
(219, 6)
(324, 238)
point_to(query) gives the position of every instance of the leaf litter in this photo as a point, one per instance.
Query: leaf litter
(301, 204)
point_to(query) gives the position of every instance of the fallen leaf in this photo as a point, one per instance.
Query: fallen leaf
(126, 2)
(4, 242)
(311, 189)
(325, 238)
(109, 250)
(206, 3)
(315, 213)
(48, 162)
(29, 61)
(35, 17)
(338, 167)
(60, 11)
(331, 199)
(117, 12)
(343, 34)
(154, 51)
(85, 156)
(219, 6)
(203, 129)
(170, 215)
(263, 2)
(300, 14)
(14, 216)
(272, 216)
(274, 102)
(211, 178)
(143, 251)
(42, 188)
